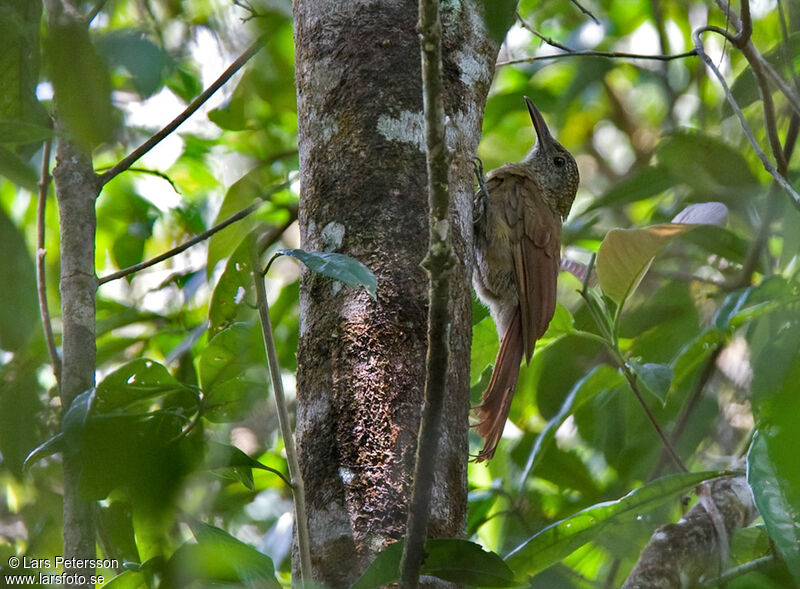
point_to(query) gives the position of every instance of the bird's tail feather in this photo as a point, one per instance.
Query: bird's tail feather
(496, 400)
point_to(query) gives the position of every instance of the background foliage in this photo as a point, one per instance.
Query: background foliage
(178, 431)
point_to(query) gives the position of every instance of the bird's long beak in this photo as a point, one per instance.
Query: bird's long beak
(542, 132)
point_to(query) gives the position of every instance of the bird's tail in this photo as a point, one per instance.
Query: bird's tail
(496, 400)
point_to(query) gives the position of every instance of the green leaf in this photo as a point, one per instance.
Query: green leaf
(385, 569)
(461, 561)
(240, 465)
(52, 446)
(601, 378)
(234, 289)
(132, 50)
(694, 353)
(127, 580)
(232, 372)
(218, 557)
(81, 83)
(641, 184)
(656, 378)
(19, 311)
(773, 473)
(560, 539)
(498, 16)
(450, 559)
(14, 131)
(16, 170)
(626, 254)
(77, 416)
(773, 470)
(250, 188)
(705, 163)
(137, 380)
(337, 266)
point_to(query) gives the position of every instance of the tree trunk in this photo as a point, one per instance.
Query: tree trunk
(76, 189)
(363, 193)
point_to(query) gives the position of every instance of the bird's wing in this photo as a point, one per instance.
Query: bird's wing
(536, 253)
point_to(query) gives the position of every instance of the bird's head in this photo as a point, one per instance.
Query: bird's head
(553, 166)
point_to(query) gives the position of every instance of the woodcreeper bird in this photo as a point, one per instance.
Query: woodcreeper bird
(517, 218)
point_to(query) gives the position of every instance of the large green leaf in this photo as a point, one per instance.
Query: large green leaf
(81, 83)
(707, 164)
(450, 559)
(234, 289)
(137, 380)
(560, 539)
(19, 311)
(232, 372)
(641, 184)
(599, 379)
(337, 266)
(626, 254)
(219, 558)
(773, 470)
(130, 49)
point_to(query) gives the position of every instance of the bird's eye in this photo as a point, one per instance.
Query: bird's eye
(559, 161)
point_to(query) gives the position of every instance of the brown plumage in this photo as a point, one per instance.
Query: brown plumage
(516, 262)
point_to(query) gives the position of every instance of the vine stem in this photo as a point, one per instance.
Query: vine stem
(41, 252)
(298, 490)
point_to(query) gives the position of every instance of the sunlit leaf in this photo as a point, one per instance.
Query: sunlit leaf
(337, 266)
(560, 539)
(626, 254)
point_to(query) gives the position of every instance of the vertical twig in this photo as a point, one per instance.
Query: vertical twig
(438, 263)
(298, 491)
(41, 252)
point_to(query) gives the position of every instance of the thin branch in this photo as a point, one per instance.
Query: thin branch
(41, 252)
(438, 262)
(150, 172)
(688, 409)
(699, 48)
(238, 216)
(585, 11)
(631, 378)
(608, 54)
(298, 490)
(129, 160)
(741, 570)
